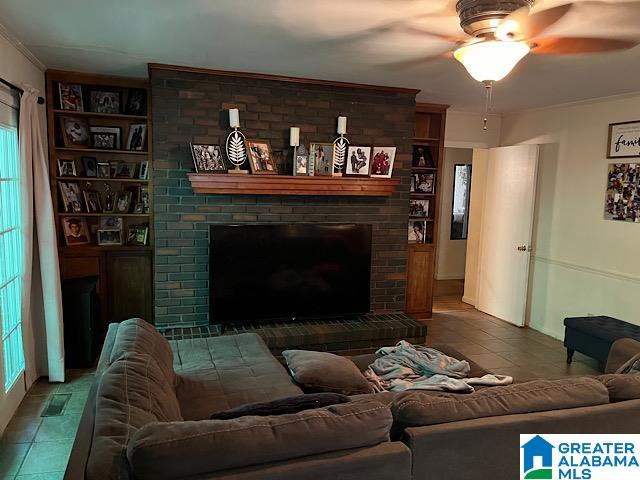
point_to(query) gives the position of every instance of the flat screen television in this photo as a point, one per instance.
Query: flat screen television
(263, 272)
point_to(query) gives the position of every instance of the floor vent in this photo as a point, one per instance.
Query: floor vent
(56, 404)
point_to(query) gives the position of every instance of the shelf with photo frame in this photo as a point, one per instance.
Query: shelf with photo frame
(101, 179)
(424, 204)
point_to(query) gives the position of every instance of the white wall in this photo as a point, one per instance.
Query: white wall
(451, 253)
(582, 263)
(19, 67)
(464, 130)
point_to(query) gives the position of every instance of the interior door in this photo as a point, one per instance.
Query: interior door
(506, 230)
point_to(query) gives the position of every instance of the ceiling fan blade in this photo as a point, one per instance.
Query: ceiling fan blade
(522, 24)
(414, 62)
(575, 45)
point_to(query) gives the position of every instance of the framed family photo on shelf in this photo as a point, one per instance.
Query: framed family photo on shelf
(422, 157)
(70, 97)
(322, 154)
(358, 161)
(105, 101)
(90, 166)
(417, 231)
(207, 158)
(75, 132)
(75, 231)
(70, 194)
(66, 167)
(418, 207)
(261, 161)
(107, 138)
(423, 183)
(382, 161)
(137, 136)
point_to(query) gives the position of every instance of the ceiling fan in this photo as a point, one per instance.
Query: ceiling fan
(504, 31)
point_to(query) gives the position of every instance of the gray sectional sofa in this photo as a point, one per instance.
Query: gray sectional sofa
(148, 412)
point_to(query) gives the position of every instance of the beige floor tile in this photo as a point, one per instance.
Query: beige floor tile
(42, 476)
(80, 383)
(489, 361)
(58, 428)
(11, 457)
(76, 403)
(47, 457)
(21, 429)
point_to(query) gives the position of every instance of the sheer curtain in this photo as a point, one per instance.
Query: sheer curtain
(41, 294)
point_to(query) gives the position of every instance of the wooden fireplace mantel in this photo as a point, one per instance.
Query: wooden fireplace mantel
(225, 184)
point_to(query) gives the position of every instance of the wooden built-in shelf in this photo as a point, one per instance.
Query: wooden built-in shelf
(102, 150)
(425, 139)
(124, 116)
(424, 219)
(226, 184)
(100, 179)
(104, 214)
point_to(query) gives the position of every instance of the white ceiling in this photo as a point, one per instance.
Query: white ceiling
(316, 39)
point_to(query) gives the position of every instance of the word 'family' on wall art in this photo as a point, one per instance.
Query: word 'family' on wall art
(624, 140)
(623, 192)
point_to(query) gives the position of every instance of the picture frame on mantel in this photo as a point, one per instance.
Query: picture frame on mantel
(261, 159)
(624, 140)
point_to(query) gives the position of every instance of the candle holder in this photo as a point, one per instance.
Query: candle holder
(236, 151)
(340, 146)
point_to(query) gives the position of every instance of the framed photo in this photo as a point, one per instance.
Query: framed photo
(136, 102)
(301, 167)
(75, 132)
(261, 161)
(358, 161)
(207, 158)
(90, 166)
(92, 201)
(123, 202)
(418, 207)
(137, 136)
(382, 161)
(125, 170)
(417, 231)
(111, 223)
(322, 154)
(624, 140)
(70, 96)
(143, 174)
(70, 194)
(104, 170)
(622, 202)
(75, 231)
(67, 167)
(422, 157)
(144, 198)
(109, 237)
(105, 101)
(137, 235)
(423, 183)
(105, 137)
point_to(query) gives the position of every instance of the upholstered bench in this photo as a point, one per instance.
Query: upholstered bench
(593, 336)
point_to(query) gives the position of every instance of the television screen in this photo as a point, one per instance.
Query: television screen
(278, 271)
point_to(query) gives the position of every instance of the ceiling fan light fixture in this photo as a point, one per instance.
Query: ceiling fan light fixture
(491, 60)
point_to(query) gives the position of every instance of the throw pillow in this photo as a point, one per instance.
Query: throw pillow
(283, 406)
(325, 372)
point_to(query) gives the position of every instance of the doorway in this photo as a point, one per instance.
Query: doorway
(453, 232)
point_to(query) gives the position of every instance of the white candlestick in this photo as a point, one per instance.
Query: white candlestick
(342, 125)
(294, 136)
(234, 118)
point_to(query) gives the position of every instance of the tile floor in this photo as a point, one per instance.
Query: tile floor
(37, 448)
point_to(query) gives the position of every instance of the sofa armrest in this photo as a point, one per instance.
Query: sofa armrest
(621, 352)
(105, 354)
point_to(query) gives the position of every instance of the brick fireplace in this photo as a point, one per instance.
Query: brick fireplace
(190, 106)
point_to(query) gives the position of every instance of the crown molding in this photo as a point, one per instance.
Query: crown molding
(18, 45)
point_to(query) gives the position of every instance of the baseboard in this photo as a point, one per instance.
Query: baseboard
(470, 301)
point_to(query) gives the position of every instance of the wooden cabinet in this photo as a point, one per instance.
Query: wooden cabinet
(128, 286)
(424, 208)
(420, 266)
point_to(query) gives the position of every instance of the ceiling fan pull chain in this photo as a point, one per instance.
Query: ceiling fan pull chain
(488, 85)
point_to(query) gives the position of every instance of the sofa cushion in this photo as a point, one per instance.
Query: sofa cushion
(414, 408)
(283, 406)
(137, 336)
(213, 445)
(219, 373)
(622, 387)
(325, 372)
(132, 392)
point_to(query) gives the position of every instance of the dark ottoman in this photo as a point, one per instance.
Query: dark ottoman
(594, 336)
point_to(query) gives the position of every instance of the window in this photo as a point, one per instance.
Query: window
(460, 211)
(10, 257)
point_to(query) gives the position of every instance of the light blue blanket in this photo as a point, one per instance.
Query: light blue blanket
(407, 366)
